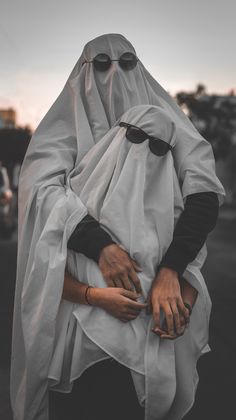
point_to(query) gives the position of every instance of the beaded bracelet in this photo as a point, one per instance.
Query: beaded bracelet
(85, 294)
(189, 307)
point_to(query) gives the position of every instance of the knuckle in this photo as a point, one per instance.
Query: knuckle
(128, 266)
(122, 271)
(163, 300)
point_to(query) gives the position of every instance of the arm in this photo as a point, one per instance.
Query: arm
(120, 303)
(89, 238)
(196, 221)
(117, 267)
(169, 291)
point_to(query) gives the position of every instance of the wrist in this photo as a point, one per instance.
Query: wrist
(168, 270)
(94, 296)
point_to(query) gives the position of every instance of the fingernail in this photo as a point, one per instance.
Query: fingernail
(156, 330)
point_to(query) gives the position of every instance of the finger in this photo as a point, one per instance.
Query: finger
(136, 282)
(183, 322)
(109, 282)
(169, 319)
(149, 304)
(170, 337)
(183, 309)
(136, 305)
(126, 283)
(131, 316)
(117, 282)
(123, 319)
(182, 330)
(158, 331)
(133, 309)
(130, 294)
(156, 316)
(177, 324)
(135, 265)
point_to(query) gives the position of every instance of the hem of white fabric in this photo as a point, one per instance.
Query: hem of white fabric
(106, 351)
(76, 377)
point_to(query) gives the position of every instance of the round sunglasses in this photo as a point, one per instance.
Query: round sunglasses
(137, 135)
(102, 62)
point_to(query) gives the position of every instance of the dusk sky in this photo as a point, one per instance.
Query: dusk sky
(181, 43)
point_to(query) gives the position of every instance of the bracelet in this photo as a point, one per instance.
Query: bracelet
(85, 294)
(189, 307)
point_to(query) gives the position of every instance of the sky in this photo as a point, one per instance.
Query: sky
(180, 42)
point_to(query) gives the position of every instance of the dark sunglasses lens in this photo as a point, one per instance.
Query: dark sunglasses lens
(128, 61)
(158, 147)
(102, 62)
(135, 135)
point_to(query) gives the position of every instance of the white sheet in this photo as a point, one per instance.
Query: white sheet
(49, 209)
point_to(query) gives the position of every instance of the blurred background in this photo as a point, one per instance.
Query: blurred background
(189, 48)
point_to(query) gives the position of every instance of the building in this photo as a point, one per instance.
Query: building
(7, 118)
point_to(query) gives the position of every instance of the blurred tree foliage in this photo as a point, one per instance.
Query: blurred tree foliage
(213, 115)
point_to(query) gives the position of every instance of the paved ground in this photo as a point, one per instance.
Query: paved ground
(217, 369)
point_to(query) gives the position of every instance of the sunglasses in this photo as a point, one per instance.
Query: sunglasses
(102, 62)
(136, 135)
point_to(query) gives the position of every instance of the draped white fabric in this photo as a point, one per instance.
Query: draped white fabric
(137, 198)
(50, 207)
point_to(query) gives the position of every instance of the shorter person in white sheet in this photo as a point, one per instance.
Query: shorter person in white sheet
(134, 192)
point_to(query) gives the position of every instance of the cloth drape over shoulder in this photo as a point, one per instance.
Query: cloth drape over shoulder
(49, 208)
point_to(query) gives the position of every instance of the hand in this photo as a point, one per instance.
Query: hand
(189, 295)
(165, 294)
(119, 269)
(117, 301)
(188, 292)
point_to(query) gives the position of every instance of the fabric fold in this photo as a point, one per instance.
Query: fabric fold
(51, 203)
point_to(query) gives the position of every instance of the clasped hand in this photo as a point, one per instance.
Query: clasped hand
(120, 270)
(165, 294)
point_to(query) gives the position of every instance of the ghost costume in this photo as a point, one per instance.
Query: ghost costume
(49, 209)
(136, 197)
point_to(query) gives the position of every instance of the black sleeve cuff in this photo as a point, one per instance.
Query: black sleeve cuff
(89, 238)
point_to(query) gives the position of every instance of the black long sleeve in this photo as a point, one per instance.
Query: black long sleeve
(89, 238)
(195, 222)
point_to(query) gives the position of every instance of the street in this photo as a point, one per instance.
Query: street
(217, 369)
